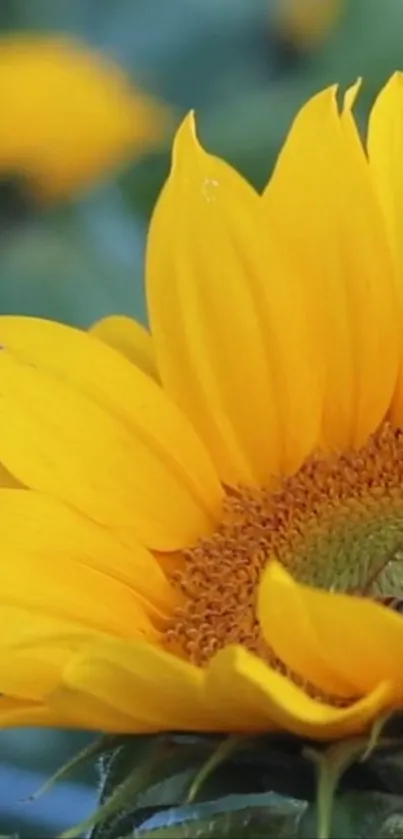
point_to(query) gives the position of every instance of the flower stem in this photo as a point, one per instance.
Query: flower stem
(218, 756)
(330, 766)
(326, 788)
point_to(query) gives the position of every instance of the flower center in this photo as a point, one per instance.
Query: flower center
(336, 524)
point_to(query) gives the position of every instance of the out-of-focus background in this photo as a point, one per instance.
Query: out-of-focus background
(72, 232)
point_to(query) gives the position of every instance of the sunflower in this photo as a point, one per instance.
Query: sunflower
(202, 526)
(71, 115)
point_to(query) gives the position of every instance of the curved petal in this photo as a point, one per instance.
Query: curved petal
(130, 338)
(34, 650)
(67, 567)
(248, 696)
(81, 710)
(385, 148)
(342, 641)
(44, 529)
(134, 687)
(79, 422)
(229, 322)
(156, 689)
(322, 205)
(62, 711)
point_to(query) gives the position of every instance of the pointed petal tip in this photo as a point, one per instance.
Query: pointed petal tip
(187, 128)
(393, 86)
(395, 79)
(186, 140)
(274, 572)
(328, 95)
(351, 94)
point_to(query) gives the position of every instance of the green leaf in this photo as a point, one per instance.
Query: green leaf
(145, 772)
(392, 828)
(256, 816)
(96, 747)
(145, 760)
(115, 767)
(389, 769)
(368, 815)
(205, 768)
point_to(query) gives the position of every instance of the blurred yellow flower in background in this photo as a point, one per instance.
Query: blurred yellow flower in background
(68, 115)
(306, 23)
(205, 527)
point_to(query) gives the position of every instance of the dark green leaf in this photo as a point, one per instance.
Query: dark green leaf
(167, 782)
(242, 816)
(389, 768)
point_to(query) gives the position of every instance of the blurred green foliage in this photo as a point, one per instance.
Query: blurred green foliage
(82, 260)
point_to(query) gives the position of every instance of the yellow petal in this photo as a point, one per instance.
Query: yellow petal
(249, 696)
(8, 480)
(34, 524)
(385, 148)
(228, 320)
(304, 653)
(334, 640)
(77, 572)
(75, 709)
(321, 204)
(156, 689)
(62, 711)
(71, 115)
(30, 676)
(79, 422)
(34, 650)
(18, 712)
(130, 338)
